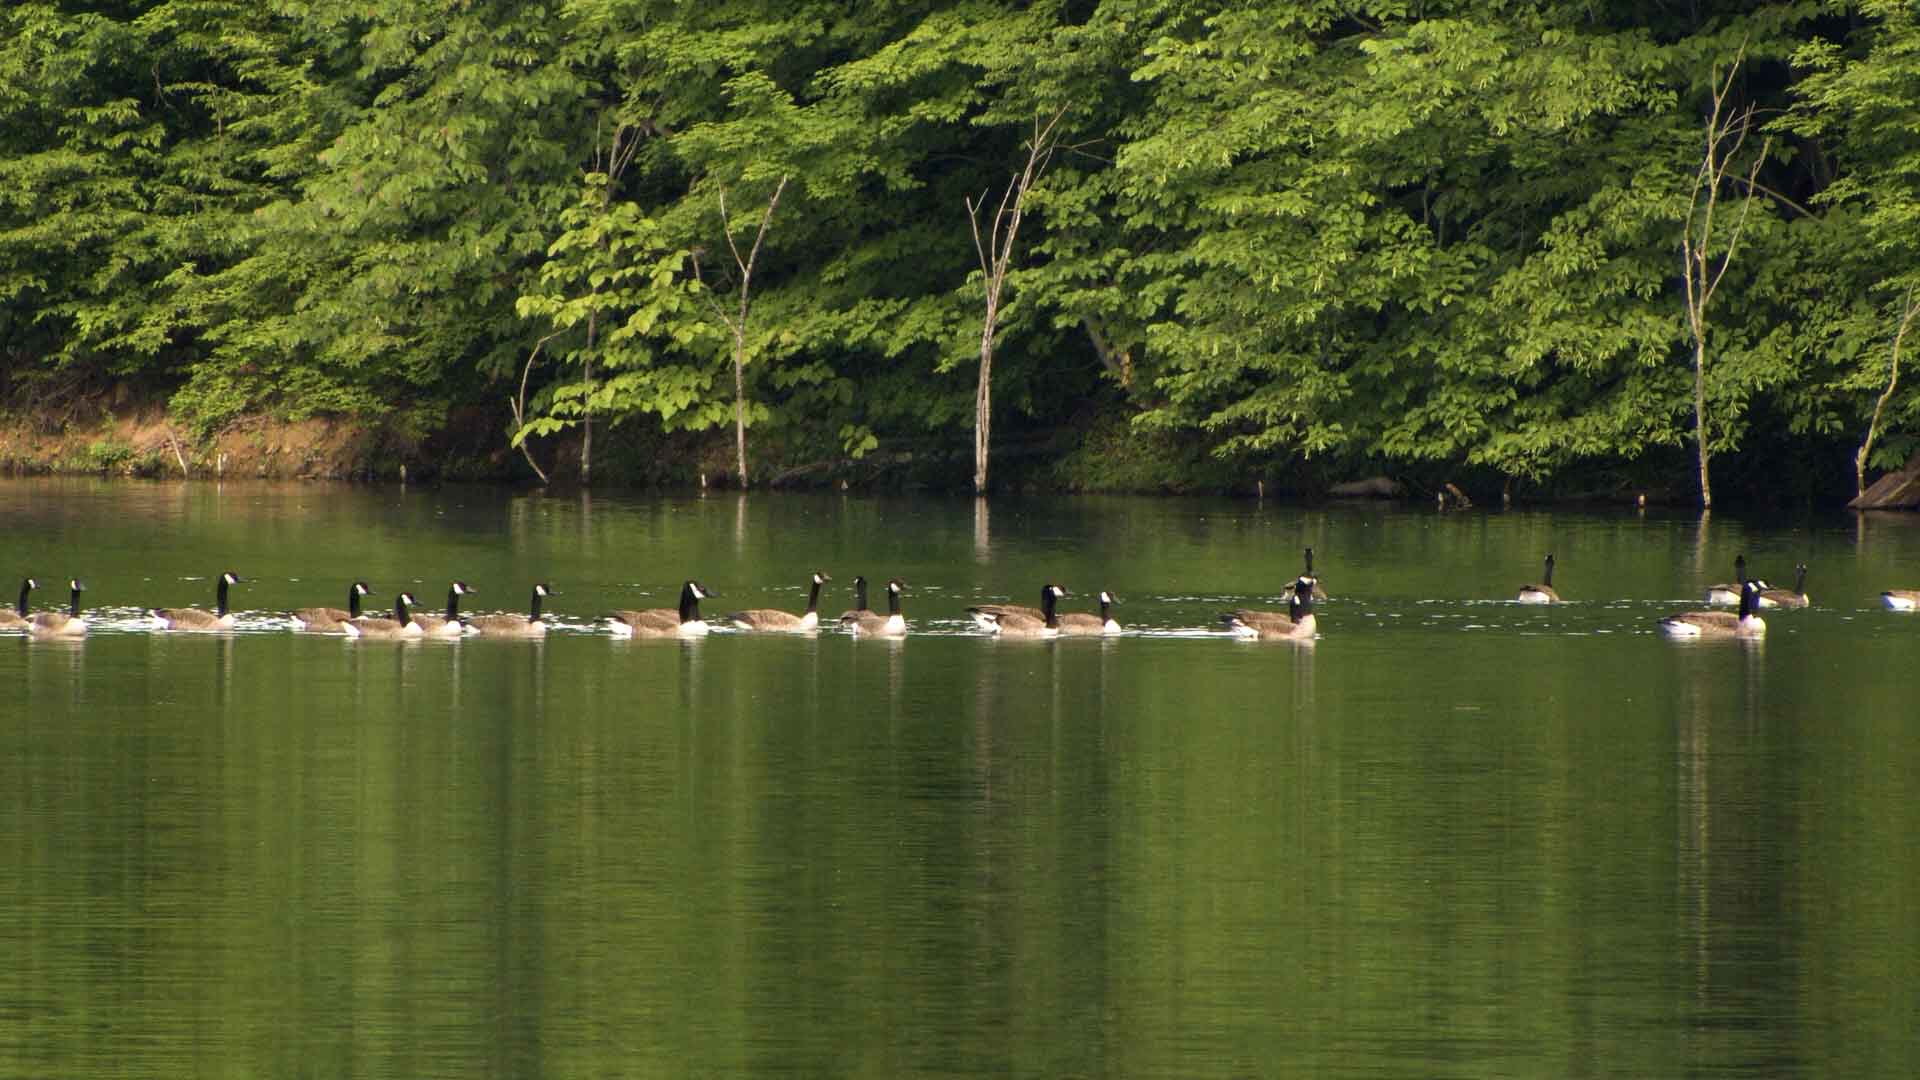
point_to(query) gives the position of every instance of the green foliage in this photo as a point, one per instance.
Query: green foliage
(1339, 230)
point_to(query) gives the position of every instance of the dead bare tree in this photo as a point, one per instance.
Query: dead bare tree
(1909, 310)
(1704, 268)
(737, 324)
(996, 256)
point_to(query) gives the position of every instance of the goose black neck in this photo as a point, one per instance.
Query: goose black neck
(689, 604)
(25, 588)
(453, 604)
(1309, 562)
(1800, 578)
(893, 601)
(1547, 578)
(73, 606)
(1302, 600)
(1046, 606)
(1747, 594)
(353, 601)
(220, 597)
(1105, 604)
(534, 614)
(860, 594)
(400, 612)
(813, 598)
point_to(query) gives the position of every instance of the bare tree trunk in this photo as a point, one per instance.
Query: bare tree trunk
(996, 257)
(586, 438)
(740, 401)
(1700, 418)
(1909, 310)
(737, 324)
(1702, 268)
(983, 402)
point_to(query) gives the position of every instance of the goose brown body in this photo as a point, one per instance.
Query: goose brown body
(332, 620)
(1084, 624)
(529, 625)
(1297, 624)
(1795, 597)
(1542, 593)
(1010, 621)
(684, 621)
(400, 626)
(194, 619)
(775, 621)
(874, 624)
(54, 624)
(1720, 624)
(449, 625)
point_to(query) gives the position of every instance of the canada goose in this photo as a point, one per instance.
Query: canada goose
(775, 621)
(1008, 623)
(1729, 593)
(193, 618)
(450, 625)
(1297, 623)
(331, 620)
(873, 624)
(15, 618)
(1795, 597)
(1079, 623)
(684, 621)
(528, 625)
(1318, 592)
(987, 616)
(68, 623)
(859, 607)
(1542, 593)
(1901, 599)
(401, 625)
(1720, 624)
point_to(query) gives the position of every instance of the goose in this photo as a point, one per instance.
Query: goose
(1794, 597)
(332, 620)
(15, 618)
(1729, 593)
(1901, 599)
(1009, 623)
(1297, 623)
(450, 625)
(402, 625)
(68, 623)
(873, 624)
(1080, 623)
(194, 619)
(987, 616)
(1542, 593)
(1720, 624)
(528, 625)
(684, 621)
(1318, 592)
(859, 607)
(775, 621)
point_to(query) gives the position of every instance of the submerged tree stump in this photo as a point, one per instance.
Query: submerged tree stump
(1898, 490)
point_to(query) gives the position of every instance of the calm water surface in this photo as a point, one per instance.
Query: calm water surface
(1455, 837)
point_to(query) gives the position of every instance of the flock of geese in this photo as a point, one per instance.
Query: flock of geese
(1748, 595)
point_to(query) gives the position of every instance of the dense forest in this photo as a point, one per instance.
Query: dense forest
(1156, 243)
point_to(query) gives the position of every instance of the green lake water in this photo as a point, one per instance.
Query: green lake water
(1456, 836)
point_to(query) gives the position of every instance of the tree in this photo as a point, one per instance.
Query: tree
(1706, 254)
(737, 323)
(996, 256)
